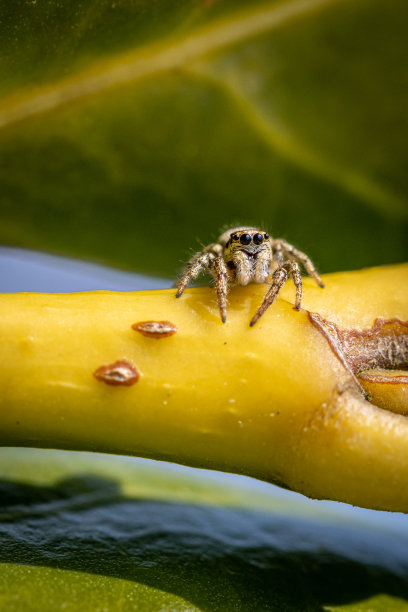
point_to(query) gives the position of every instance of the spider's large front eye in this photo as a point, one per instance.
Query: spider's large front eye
(245, 239)
(258, 239)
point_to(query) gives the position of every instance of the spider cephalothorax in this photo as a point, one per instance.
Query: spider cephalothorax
(247, 254)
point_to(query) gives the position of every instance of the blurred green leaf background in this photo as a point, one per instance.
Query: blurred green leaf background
(131, 133)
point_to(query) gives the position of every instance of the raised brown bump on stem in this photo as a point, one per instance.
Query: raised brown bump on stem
(155, 329)
(121, 372)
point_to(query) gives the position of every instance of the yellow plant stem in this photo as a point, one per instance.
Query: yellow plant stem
(273, 401)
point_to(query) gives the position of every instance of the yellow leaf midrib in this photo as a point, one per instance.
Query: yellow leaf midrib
(155, 58)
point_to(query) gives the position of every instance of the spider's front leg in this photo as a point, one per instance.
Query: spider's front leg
(211, 258)
(279, 278)
(220, 271)
(195, 266)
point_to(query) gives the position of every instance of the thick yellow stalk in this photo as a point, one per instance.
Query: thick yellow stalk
(274, 401)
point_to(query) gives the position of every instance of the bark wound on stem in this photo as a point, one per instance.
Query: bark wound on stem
(372, 354)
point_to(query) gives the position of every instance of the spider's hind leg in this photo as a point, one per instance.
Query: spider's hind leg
(286, 247)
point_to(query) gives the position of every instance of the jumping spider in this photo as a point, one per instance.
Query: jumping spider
(247, 254)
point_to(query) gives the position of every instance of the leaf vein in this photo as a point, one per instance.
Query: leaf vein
(282, 142)
(156, 58)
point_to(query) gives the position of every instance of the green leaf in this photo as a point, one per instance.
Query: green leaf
(131, 132)
(91, 532)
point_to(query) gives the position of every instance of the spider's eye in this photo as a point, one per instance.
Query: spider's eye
(266, 236)
(234, 236)
(245, 239)
(258, 239)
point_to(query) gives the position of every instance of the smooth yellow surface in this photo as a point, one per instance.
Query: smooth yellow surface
(272, 401)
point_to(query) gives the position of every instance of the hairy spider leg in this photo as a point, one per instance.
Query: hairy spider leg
(220, 272)
(279, 278)
(301, 257)
(192, 270)
(277, 250)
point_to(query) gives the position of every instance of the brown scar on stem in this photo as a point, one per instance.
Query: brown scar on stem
(371, 352)
(155, 329)
(119, 373)
(382, 376)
